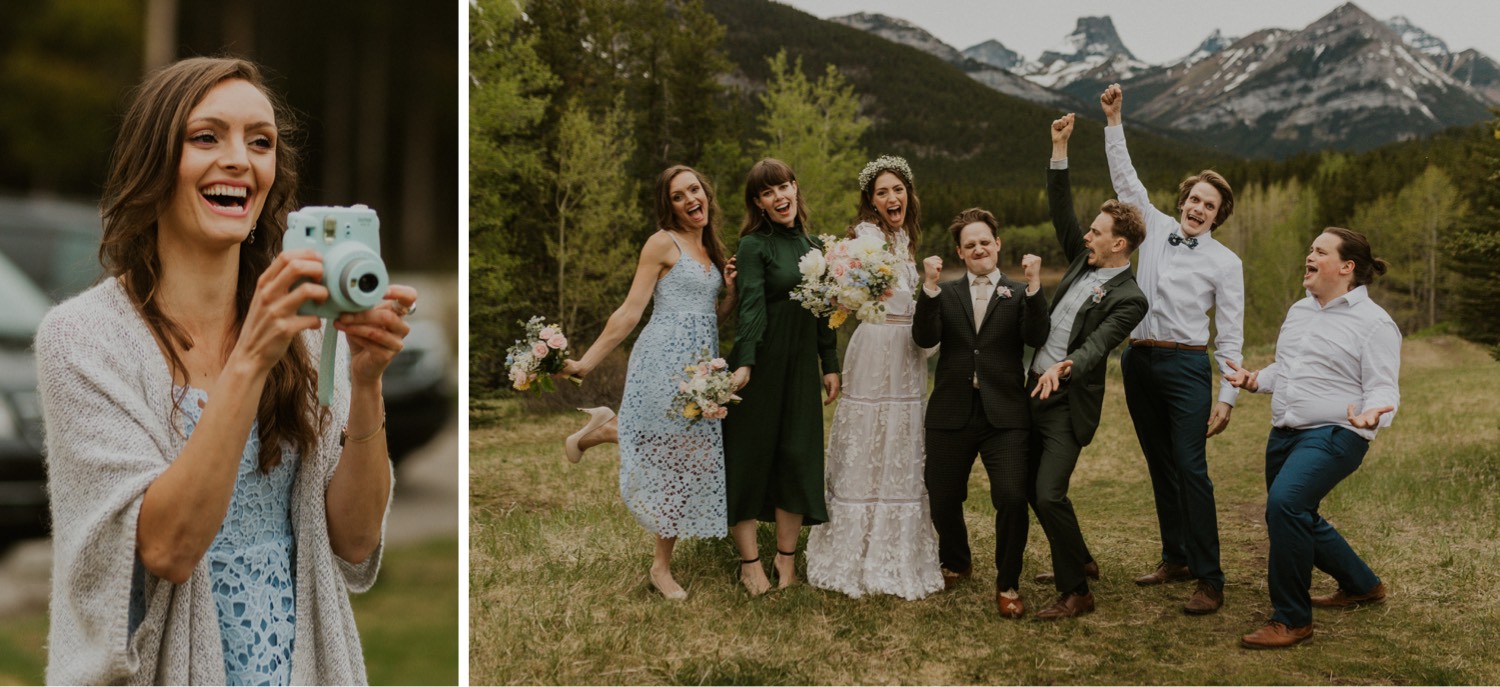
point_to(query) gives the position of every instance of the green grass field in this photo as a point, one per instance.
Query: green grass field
(558, 590)
(408, 623)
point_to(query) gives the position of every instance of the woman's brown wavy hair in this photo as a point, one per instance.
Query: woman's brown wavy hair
(142, 178)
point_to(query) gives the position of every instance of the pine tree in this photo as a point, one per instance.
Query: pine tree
(815, 126)
(1474, 250)
(507, 100)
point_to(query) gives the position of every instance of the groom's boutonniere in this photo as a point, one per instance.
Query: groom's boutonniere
(1099, 294)
(1004, 292)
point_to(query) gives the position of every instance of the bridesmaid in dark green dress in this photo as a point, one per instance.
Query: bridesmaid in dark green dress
(773, 440)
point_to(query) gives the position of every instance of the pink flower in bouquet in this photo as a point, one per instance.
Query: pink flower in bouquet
(557, 341)
(855, 264)
(839, 271)
(682, 387)
(718, 364)
(539, 349)
(887, 293)
(547, 333)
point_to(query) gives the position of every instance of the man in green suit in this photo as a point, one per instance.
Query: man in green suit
(1096, 306)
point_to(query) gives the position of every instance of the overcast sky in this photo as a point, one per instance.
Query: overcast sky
(1160, 31)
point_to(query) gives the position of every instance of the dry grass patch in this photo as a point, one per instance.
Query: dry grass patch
(558, 591)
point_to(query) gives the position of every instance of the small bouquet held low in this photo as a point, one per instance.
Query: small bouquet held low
(536, 356)
(706, 392)
(848, 276)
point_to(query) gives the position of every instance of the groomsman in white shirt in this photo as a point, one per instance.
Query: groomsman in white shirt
(1169, 379)
(1335, 384)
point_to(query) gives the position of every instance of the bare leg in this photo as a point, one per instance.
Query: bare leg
(752, 573)
(661, 570)
(788, 529)
(601, 427)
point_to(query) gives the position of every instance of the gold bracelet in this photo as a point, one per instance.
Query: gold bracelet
(344, 436)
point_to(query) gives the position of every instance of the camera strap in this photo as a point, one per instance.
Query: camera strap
(326, 363)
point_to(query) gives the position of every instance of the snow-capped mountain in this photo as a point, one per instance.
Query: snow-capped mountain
(994, 54)
(999, 78)
(1093, 51)
(1213, 45)
(1424, 42)
(1345, 81)
(901, 31)
(1469, 67)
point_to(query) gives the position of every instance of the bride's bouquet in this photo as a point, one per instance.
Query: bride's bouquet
(540, 353)
(848, 276)
(706, 392)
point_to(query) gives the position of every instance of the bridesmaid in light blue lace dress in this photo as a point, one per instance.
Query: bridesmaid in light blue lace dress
(251, 564)
(671, 471)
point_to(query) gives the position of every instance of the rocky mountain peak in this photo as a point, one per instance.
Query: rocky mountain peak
(901, 31)
(1093, 36)
(994, 54)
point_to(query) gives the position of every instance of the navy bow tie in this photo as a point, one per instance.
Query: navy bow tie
(1191, 241)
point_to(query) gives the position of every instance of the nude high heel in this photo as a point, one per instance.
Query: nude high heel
(597, 418)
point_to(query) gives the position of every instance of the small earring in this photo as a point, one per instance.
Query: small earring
(251, 238)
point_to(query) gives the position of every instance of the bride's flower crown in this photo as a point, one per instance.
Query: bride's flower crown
(881, 164)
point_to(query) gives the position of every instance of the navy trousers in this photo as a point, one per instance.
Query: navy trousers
(1303, 466)
(1170, 394)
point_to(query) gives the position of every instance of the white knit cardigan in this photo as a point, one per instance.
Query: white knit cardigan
(107, 397)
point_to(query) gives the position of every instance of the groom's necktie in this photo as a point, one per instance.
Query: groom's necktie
(982, 291)
(981, 294)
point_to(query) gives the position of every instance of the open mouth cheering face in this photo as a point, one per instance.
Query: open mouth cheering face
(1200, 208)
(779, 202)
(888, 195)
(227, 166)
(689, 200)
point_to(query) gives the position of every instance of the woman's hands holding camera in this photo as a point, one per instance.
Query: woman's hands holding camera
(272, 321)
(378, 334)
(294, 278)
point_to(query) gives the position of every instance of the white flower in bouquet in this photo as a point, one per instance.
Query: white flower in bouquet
(848, 276)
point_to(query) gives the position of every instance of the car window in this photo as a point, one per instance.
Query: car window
(25, 304)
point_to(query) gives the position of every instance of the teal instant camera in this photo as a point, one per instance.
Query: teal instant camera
(348, 238)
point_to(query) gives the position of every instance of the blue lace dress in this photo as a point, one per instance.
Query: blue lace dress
(251, 564)
(672, 472)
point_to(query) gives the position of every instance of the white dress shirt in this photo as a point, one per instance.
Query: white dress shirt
(1181, 283)
(1327, 357)
(1056, 348)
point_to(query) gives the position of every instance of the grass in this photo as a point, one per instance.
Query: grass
(558, 591)
(408, 623)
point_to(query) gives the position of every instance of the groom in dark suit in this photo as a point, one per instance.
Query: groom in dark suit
(978, 402)
(1096, 305)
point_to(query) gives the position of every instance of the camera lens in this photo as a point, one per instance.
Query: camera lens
(368, 282)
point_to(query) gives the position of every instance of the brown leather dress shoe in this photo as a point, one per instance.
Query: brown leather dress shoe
(1090, 570)
(1068, 606)
(951, 579)
(1010, 608)
(1343, 599)
(1205, 600)
(1275, 635)
(1164, 573)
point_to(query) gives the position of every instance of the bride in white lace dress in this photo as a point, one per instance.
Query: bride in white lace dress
(879, 537)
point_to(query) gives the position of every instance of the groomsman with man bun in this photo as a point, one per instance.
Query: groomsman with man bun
(1169, 379)
(1335, 380)
(1096, 305)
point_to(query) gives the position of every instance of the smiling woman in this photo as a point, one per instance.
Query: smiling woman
(189, 467)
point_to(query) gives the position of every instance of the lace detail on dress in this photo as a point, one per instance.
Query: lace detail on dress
(879, 537)
(251, 564)
(672, 473)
